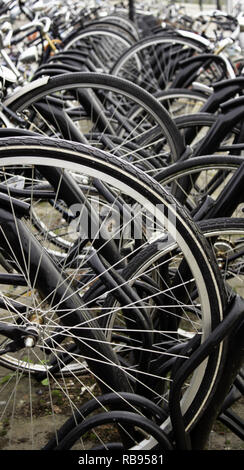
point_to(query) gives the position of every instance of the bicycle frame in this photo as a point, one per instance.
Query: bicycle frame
(223, 91)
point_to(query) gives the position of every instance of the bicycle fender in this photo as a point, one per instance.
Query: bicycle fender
(25, 89)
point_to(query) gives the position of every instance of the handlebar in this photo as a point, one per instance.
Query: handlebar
(43, 24)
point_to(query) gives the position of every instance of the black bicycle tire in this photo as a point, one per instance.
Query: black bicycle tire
(175, 93)
(192, 166)
(18, 102)
(105, 25)
(205, 162)
(111, 400)
(157, 38)
(126, 418)
(21, 146)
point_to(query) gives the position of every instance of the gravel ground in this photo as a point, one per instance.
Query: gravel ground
(221, 438)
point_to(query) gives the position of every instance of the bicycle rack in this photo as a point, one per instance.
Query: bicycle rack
(122, 401)
(233, 321)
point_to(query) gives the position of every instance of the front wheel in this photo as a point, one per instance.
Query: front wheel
(198, 290)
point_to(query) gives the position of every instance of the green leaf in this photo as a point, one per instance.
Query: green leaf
(6, 378)
(45, 382)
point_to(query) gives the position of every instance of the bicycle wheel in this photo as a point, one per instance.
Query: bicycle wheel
(161, 61)
(153, 62)
(193, 180)
(58, 332)
(94, 108)
(123, 20)
(195, 130)
(126, 28)
(180, 101)
(99, 104)
(105, 45)
(226, 237)
(95, 426)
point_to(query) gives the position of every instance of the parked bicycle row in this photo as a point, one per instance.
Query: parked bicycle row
(121, 228)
